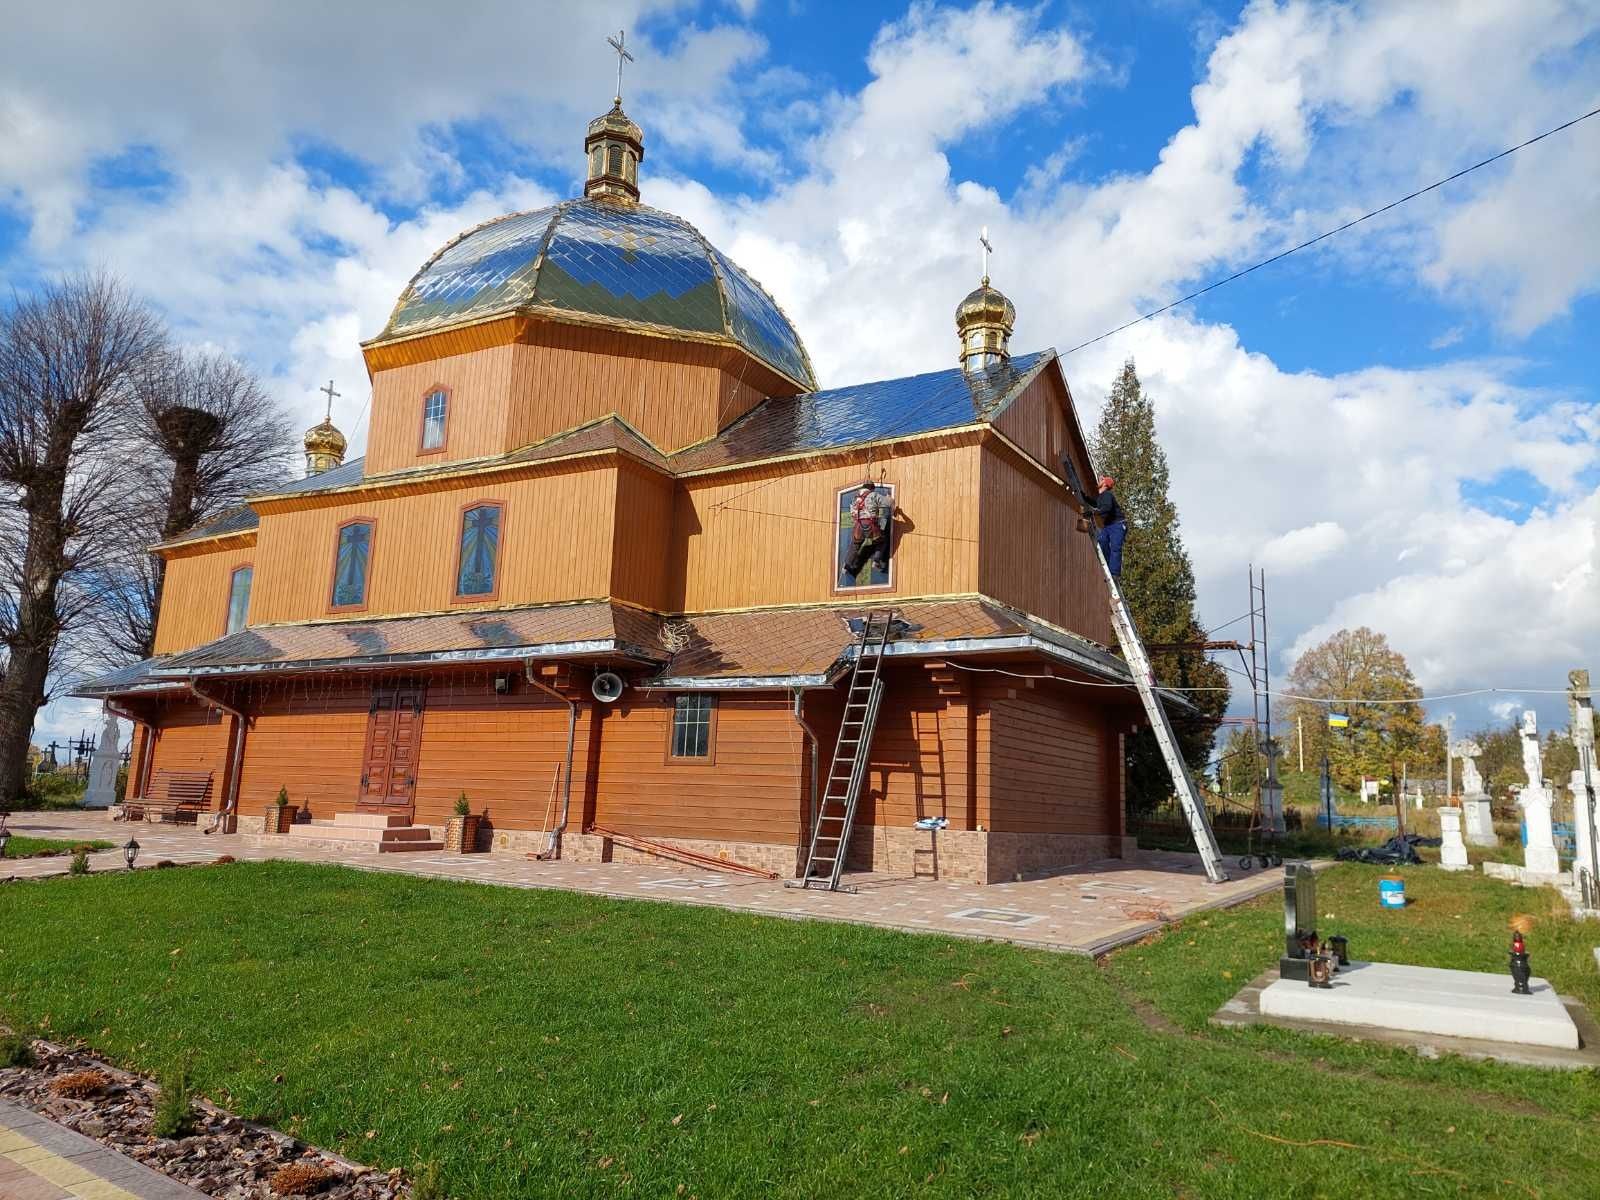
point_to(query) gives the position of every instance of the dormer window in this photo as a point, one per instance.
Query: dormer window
(435, 410)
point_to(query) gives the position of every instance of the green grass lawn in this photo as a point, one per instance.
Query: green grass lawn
(547, 1043)
(26, 847)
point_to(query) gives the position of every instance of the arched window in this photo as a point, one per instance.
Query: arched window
(239, 597)
(614, 160)
(352, 560)
(864, 541)
(479, 554)
(435, 411)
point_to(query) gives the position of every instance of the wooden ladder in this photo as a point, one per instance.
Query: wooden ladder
(836, 816)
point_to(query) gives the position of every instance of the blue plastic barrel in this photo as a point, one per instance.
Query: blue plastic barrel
(1392, 893)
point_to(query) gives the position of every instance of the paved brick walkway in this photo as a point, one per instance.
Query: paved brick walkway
(1085, 910)
(40, 1160)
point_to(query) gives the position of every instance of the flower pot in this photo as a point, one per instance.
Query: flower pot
(279, 818)
(461, 833)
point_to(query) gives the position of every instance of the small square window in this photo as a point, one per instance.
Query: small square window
(692, 714)
(434, 409)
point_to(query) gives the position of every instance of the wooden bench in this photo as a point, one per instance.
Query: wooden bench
(173, 793)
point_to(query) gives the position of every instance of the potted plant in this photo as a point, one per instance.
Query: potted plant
(280, 813)
(461, 830)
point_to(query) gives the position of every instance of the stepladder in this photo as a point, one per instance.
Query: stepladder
(836, 813)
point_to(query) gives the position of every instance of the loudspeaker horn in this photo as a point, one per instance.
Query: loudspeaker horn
(607, 687)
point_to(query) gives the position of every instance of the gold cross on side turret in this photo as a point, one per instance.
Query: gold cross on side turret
(617, 44)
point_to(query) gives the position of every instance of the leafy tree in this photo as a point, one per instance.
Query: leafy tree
(1158, 581)
(1357, 673)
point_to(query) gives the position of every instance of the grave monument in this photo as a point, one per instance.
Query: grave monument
(102, 789)
(1539, 855)
(1478, 818)
(1452, 850)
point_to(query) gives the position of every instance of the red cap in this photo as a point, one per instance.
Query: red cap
(1107, 481)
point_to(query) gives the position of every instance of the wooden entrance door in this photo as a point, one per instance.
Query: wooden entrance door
(394, 735)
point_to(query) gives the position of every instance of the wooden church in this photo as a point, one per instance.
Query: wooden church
(604, 570)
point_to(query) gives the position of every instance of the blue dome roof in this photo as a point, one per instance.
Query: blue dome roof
(626, 265)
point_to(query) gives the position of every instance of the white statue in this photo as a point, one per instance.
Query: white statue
(102, 790)
(1471, 781)
(1531, 762)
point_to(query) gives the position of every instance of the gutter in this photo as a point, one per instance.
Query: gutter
(800, 720)
(607, 646)
(553, 849)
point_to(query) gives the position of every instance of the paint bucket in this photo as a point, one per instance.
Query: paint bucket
(1392, 893)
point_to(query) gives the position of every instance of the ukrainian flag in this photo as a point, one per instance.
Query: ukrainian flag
(1338, 720)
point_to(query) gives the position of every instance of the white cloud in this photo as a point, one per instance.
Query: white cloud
(1303, 547)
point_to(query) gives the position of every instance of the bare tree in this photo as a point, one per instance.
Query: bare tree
(71, 356)
(211, 435)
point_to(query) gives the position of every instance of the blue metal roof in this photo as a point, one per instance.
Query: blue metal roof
(866, 412)
(627, 264)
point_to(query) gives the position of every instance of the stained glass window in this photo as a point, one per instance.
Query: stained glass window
(433, 414)
(864, 549)
(480, 550)
(350, 564)
(691, 725)
(239, 598)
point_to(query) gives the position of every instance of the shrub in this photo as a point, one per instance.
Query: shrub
(80, 1085)
(122, 784)
(463, 809)
(223, 860)
(425, 1182)
(80, 862)
(282, 800)
(300, 1179)
(16, 1050)
(174, 1111)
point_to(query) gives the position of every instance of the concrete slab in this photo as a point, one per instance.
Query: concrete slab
(1411, 999)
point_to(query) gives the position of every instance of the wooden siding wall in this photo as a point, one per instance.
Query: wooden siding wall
(503, 751)
(769, 538)
(555, 545)
(194, 598)
(642, 546)
(1036, 423)
(193, 738)
(307, 737)
(1049, 753)
(669, 392)
(753, 790)
(1033, 557)
(930, 755)
(475, 422)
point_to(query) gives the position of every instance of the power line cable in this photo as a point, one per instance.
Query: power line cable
(1266, 262)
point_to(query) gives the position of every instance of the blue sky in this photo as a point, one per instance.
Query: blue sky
(1400, 424)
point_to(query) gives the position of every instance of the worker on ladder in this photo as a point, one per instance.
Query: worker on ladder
(1113, 529)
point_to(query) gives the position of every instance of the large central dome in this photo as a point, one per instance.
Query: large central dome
(623, 265)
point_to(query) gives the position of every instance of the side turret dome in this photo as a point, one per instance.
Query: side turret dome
(984, 321)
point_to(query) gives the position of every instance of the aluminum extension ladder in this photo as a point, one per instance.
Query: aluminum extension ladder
(836, 816)
(1138, 661)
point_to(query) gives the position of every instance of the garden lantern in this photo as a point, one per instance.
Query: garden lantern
(130, 852)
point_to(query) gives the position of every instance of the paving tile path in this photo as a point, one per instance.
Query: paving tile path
(40, 1160)
(1084, 910)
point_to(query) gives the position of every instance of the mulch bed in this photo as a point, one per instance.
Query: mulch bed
(227, 1156)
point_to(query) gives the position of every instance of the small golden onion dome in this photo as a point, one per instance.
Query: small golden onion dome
(984, 321)
(614, 147)
(325, 447)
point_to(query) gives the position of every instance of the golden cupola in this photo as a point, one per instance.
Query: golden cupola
(615, 147)
(984, 321)
(325, 445)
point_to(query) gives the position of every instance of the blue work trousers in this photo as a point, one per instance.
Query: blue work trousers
(1111, 539)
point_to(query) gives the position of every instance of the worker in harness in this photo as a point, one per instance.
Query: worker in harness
(1113, 529)
(870, 515)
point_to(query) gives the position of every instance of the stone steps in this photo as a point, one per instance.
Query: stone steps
(387, 833)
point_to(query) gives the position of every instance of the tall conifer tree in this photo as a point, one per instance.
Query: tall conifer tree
(1158, 582)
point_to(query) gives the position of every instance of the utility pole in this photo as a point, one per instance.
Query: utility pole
(1449, 744)
(1300, 736)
